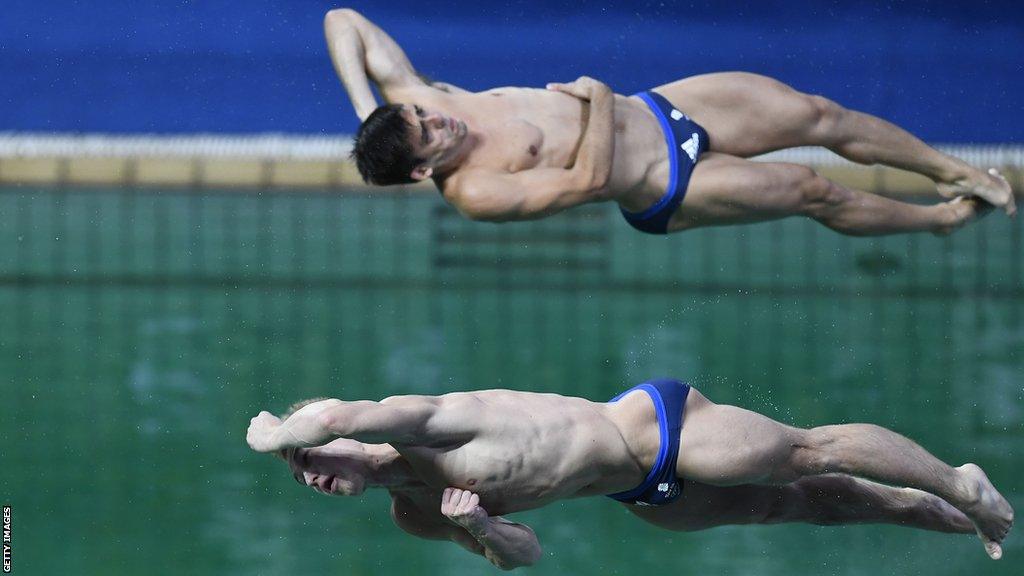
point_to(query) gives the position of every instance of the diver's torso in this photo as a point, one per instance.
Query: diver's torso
(524, 128)
(521, 450)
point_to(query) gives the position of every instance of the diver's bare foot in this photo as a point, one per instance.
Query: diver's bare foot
(958, 212)
(991, 513)
(992, 188)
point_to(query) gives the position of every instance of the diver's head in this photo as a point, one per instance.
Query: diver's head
(403, 144)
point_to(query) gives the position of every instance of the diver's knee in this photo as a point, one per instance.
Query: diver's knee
(812, 453)
(779, 504)
(823, 115)
(819, 196)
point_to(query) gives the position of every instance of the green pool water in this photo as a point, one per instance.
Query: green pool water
(139, 332)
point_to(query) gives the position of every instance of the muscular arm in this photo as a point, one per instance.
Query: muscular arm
(401, 421)
(449, 88)
(540, 192)
(505, 544)
(362, 52)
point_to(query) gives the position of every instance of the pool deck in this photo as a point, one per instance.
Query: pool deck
(315, 162)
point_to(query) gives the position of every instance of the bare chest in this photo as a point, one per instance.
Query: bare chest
(511, 144)
(523, 128)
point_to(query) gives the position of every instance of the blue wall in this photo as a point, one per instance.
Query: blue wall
(951, 72)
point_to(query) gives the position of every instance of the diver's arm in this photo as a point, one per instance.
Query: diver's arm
(594, 161)
(362, 52)
(402, 421)
(449, 88)
(505, 544)
(482, 194)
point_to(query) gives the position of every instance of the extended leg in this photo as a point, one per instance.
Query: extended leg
(834, 499)
(726, 445)
(828, 500)
(748, 114)
(725, 189)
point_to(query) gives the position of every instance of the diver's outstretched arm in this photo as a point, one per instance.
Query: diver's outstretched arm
(403, 420)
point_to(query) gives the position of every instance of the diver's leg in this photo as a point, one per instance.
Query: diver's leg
(726, 445)
(726, 189)
(831, 499)
(749, 114)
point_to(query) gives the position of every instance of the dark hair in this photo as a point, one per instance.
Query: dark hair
(382, 150)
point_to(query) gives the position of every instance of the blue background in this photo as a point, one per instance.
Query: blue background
(950, 72)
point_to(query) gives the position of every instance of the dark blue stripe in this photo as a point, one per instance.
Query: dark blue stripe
(673, 161)
(652, 476)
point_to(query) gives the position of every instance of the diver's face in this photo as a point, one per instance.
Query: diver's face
(339, 468)
(435, 136)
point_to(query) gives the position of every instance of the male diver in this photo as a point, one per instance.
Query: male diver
(673, 158)
(455, 464)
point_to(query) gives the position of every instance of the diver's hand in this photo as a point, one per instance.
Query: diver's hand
(463, 508)
(584, 88)
(261, 432)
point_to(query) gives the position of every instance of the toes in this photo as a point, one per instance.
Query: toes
(1002, 179)
(1010, 205)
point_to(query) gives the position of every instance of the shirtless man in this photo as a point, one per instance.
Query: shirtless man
(454, 464)
(521, 153)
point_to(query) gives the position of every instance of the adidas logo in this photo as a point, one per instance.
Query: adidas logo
(671, 490)
(677, 115)
(691, 146)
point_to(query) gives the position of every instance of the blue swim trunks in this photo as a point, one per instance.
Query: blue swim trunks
(686, 141)
(661, 485)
